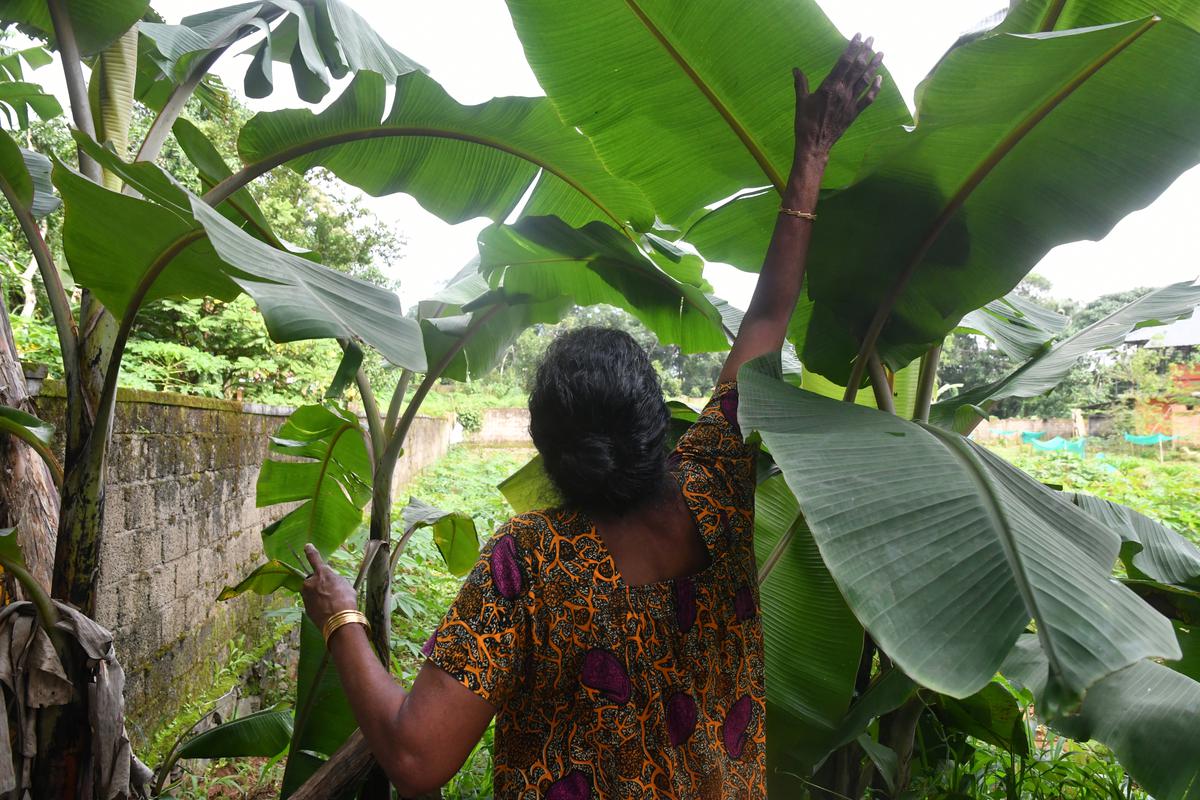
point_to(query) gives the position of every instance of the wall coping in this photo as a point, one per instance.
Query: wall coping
(56, 389)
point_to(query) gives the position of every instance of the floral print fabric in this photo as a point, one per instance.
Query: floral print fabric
(605, 690)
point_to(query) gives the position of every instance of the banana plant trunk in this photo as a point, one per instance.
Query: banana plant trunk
(28, 497)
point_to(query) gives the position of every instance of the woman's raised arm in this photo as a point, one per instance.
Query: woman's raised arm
(821, 119)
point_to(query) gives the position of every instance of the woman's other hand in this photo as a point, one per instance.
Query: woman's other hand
(325, 592)
(824, 115)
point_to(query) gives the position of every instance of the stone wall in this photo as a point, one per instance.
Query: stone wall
(502, 426)
(180, 525)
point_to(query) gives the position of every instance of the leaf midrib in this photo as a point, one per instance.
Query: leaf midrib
(991, 160)
(254, 169)
(736, 125)
(958, 448)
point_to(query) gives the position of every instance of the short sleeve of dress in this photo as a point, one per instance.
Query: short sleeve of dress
(714, 443)
(484, 639)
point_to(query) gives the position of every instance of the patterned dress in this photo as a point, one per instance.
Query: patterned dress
(609, 691)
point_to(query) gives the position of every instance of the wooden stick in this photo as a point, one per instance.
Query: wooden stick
(345, 769)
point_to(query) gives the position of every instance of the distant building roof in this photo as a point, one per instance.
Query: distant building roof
(1181, 333)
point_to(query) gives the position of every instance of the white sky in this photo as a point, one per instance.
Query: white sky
(470, 47)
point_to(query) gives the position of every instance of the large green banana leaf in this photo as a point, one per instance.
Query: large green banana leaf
(25, 179)
(813, 642)
(113, 242)
(1019, 327)
(1051, 148)
(303, 300)
(543, 258)
(320, 40)
(327, 470)
(240, 208)
(96, 23)
(18, 98)
(944, 552)
(1031, 16)
(130, 250)
(458, 161)
(692, 100)
(12, 62)
(263, 734)
(1149, 549)
(1148, 714)
(468, 327)
(1046, 370)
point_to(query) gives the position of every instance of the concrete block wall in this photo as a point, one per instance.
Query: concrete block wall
(180, 525)
(503, 426)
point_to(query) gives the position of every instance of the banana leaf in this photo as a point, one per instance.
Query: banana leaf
(458, 161)
(327, 470)
(262, 734)
(813, 642)
(96, 23)
(929, 536)
(1046, 370)
(453, 532)
(1146, 713)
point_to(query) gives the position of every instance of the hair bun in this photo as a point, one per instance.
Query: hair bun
(598, 418)
(587, 467)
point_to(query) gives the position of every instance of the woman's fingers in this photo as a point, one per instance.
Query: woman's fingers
(868, 75)
(314, 558)
(871, 94)
(801, 82)
(846, 59)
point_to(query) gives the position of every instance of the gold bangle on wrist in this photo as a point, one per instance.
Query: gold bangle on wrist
(791, 212)
(340, 618)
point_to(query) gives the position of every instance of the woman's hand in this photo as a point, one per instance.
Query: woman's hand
(325, 592)
(824, 115)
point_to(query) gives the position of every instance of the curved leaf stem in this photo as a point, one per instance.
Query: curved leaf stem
(393, 414)
(249, 172)
(1053, 12)
(984, 168)
(60, 306)
(156, 136)
(925, 381)
(81, 110)
(880, 385)
(752, 146)
(38, 446)
(46, 612)
(108, 393)
(371, 412)
(779, 549)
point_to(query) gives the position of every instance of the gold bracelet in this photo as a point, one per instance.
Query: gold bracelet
(791, 212)
(348, 617)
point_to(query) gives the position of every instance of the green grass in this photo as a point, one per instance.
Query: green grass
(471, 398)
(1168, 491)
(465, 480)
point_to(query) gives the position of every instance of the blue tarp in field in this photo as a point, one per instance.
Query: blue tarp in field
(1058, 443)
(1148, 441)
(1028, 437)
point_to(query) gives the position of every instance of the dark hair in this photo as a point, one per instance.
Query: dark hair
(597, 416)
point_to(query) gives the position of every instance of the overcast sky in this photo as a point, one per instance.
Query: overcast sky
(470, 47)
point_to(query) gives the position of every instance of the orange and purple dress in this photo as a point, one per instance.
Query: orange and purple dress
(604, 690)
